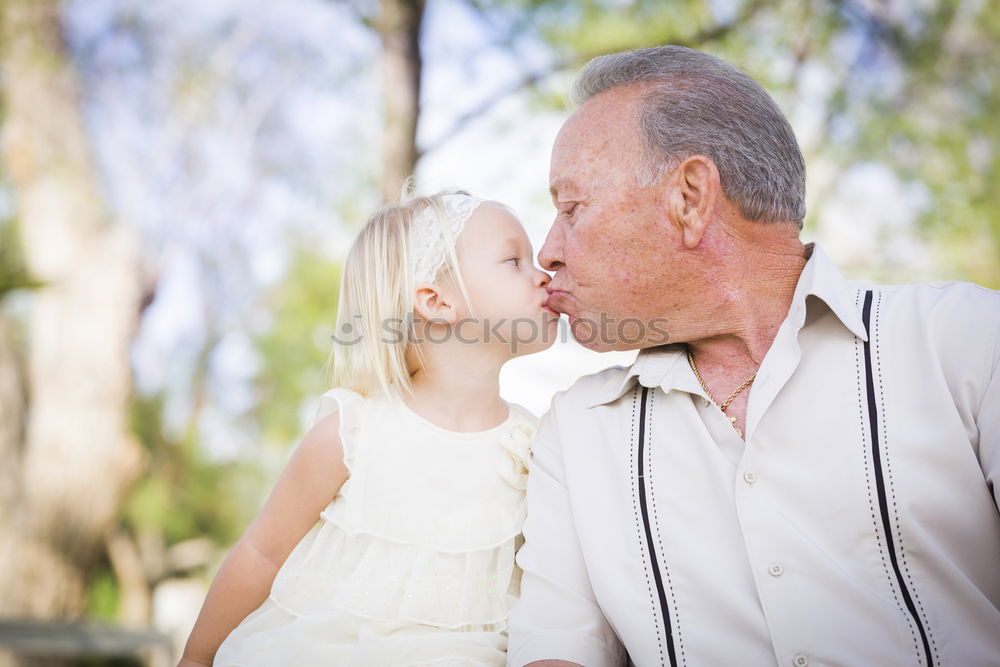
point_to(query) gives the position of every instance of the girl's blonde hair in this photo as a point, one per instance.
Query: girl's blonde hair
(375, 321)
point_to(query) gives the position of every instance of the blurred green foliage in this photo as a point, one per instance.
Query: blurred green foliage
(103, 594)
(912, 86)
(939, 125)
(295, 347)
(94, 661)
(13, 271)
(185, 494)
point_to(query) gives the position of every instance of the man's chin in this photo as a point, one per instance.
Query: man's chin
(587, 333)
(596, 346)
(591, 335)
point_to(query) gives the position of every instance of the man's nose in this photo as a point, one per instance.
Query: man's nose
(550, 254)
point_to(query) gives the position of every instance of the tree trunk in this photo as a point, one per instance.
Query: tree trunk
(399, 29)
(77, 460)
(11, 419)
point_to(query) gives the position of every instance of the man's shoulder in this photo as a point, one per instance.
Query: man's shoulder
(953, 289)
(591, 389)
(950, 304)
(572, 408)
(957, 324)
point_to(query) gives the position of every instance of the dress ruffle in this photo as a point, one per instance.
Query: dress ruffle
(413, 562)
(445, 493)
(272, 637)
(516, 445)
(377, 578)
(348, 404)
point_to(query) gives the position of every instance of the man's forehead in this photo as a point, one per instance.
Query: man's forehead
(615, 106)
(584, 124)
(613, 113)
(602, 133)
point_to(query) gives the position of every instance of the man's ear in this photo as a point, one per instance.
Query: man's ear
(694, 195)
(433, 303)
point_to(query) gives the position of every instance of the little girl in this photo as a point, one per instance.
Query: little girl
(389, 537)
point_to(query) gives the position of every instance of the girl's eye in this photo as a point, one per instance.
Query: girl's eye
(516, 261)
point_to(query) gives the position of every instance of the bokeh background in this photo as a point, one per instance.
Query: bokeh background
(180, 180)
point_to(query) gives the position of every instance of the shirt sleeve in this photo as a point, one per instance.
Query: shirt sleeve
(557, 616)
(988, 422)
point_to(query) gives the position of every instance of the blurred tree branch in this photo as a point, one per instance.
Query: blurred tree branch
(700, 39)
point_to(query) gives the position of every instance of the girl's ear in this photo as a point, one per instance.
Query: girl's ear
(434, 304)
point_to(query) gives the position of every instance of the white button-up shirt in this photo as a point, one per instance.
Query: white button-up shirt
(857, 525)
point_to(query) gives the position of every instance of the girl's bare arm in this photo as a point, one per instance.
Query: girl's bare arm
(310, 480)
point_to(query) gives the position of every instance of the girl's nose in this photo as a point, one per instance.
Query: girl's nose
(543, 278)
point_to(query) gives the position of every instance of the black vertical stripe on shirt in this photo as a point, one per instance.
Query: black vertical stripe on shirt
(880, 480)
(664, 611)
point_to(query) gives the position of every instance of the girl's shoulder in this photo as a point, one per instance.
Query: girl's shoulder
(348, 405)
(337, 399)
(358, 413)
(522, 415)
(520, 428)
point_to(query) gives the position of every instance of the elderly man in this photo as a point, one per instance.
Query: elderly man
(797, 469)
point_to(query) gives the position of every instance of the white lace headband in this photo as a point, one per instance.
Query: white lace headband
(430, 242)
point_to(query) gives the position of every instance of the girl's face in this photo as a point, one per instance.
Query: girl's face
(505, 287)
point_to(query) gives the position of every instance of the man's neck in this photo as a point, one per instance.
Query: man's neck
(749, 296)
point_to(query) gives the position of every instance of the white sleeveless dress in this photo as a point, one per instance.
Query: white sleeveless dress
(413, 562)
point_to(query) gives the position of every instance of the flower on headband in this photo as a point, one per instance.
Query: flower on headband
(516, 446)
(432, 238)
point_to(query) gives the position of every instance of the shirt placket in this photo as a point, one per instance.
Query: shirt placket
(773, 565)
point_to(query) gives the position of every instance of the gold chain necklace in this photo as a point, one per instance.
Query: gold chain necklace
(725, 404)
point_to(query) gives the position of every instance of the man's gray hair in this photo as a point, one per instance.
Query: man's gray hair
(697, 104)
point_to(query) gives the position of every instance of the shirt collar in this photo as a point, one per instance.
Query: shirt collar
(820, 278)
(660, 366)
(651, 366)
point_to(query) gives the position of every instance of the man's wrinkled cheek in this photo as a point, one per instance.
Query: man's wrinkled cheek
(625, 280)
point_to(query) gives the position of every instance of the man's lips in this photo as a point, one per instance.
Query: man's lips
(552, 302)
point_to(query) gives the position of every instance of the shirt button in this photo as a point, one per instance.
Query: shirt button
(775, 570)
(800, 660)
(749, 477)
